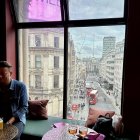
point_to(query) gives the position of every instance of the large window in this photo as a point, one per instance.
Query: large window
(44, 65)
(76, 48)
(98, 66)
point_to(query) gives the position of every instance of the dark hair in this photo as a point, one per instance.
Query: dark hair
(5, 64)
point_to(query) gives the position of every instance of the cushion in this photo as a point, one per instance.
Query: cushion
(94, 114)
(37, 109)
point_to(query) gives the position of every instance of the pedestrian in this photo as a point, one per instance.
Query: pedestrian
(13, 99)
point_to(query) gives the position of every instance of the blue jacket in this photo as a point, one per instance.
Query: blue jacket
(18, 100)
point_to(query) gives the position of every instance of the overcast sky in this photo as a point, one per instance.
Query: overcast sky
(89, 40)
(95, 9)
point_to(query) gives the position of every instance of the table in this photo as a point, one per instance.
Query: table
(59, 133)
(8, 132)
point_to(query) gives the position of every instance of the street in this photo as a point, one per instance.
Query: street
(104, 101)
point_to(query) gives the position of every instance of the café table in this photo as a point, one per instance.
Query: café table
(8, 132)
(60, 133)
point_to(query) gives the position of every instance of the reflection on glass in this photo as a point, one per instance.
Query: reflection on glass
(38, 10)
(95, 64)
(95, 9)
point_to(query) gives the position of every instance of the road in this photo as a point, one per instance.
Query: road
(104, 102)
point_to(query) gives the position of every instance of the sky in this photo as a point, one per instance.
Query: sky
(96, 9)
(89, 40)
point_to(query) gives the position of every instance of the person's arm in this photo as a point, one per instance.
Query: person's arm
(11, 120)
(23, 105)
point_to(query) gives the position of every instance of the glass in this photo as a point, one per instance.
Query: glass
(72, 129)
(1, 123)
(83, 131)
(95, 9)
(44, 79)
(37, 10)
(95, 62)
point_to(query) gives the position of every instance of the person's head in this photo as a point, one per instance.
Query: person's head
(5, 73)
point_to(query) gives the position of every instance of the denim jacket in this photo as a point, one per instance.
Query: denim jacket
(18, 100)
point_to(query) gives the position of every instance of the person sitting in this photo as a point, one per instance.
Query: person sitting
(13, 99)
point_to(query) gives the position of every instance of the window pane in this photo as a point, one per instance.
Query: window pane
(56, 61)
(95, 9)
(37, 61)
(37, 66)
(95, 63)
(38, 10)
(38, 81)
(37, 41)
(56, 81)
(56, 42)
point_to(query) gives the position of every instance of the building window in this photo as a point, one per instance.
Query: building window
(56, 61)
(37, 41)
(56, 81)
(37, 61)
(56, 42)
(37, 81)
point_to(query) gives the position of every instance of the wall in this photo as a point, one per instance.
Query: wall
(2, 31)
(131, 106)
(10, 40)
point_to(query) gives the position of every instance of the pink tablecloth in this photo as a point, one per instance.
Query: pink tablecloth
(56, 134)
(61, 133)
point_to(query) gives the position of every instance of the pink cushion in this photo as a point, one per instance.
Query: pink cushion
(93, 115)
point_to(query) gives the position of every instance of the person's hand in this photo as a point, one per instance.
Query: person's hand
(11, 121)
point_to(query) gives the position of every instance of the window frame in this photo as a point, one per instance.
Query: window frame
(66, 23)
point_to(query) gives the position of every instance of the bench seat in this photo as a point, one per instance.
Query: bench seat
(35, 129)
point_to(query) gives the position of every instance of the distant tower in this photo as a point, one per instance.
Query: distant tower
(108, 44)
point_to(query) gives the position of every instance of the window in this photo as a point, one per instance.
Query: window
(38, 61)
(56, 61)
(38, 10)
(56, 81)
(56, 42)
(90, 9)
(37, 41)
(37, 81)
(80, 49)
